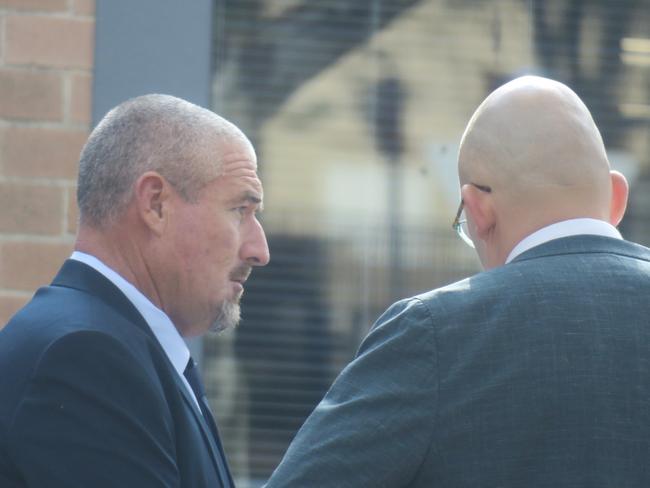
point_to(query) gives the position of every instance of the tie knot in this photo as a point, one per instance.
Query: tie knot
(193, 377)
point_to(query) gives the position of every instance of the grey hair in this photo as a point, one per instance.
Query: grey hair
(149, 133)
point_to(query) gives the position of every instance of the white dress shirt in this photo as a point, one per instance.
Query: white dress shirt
(565, 228)
(160, 324)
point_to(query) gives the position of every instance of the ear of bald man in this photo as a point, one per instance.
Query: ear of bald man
(620, 191)
(479, 207)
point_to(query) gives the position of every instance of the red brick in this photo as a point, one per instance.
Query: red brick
(30, 95)
(84, 7)
(29, 265)
(81, 98)
(30, 209)
(41, 153)
(49, 41)
(9, 305)
(36, 5)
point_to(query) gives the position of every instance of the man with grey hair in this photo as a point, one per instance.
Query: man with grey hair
(98, 388)
(534, 373)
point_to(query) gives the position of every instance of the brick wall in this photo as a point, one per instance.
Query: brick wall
(46, 59)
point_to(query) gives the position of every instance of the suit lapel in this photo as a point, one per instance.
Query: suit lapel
(217, 457)
(80, 276)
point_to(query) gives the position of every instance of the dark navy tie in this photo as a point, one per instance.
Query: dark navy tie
(193, 377)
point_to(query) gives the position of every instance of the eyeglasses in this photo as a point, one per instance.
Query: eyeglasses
(460, 222)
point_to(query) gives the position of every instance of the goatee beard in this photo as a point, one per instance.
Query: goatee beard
(228, 317)
(229, 312)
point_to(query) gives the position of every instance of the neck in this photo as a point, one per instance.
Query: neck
(119, 248)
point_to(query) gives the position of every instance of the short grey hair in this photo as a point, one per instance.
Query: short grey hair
(149, 133)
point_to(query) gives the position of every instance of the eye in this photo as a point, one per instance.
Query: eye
(241, 211)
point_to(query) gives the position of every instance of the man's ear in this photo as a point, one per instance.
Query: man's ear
(152, 194)
(479, 210)
(620, 191)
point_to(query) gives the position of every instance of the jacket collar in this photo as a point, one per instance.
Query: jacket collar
(564, 228)
(585, 244)
(80, 276)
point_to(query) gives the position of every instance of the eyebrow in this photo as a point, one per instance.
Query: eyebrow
(251, 197)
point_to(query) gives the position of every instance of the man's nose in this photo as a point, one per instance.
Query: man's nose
(255, 249)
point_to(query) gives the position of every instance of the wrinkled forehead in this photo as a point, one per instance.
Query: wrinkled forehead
(239, 168)
(238, 160)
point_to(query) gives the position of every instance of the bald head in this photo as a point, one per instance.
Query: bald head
(181, 141)
(534, 136)
(535, 144)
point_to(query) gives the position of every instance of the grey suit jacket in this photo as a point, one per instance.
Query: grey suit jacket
(534, 374)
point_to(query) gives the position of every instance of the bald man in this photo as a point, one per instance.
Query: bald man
(534, 373)
(97, 387)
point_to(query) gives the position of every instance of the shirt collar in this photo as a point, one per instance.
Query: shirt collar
(160, 324)
(565, 228)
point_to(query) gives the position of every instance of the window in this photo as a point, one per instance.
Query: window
(356, 110)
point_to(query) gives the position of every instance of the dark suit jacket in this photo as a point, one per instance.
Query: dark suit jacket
(89, 399)
(535, 374)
